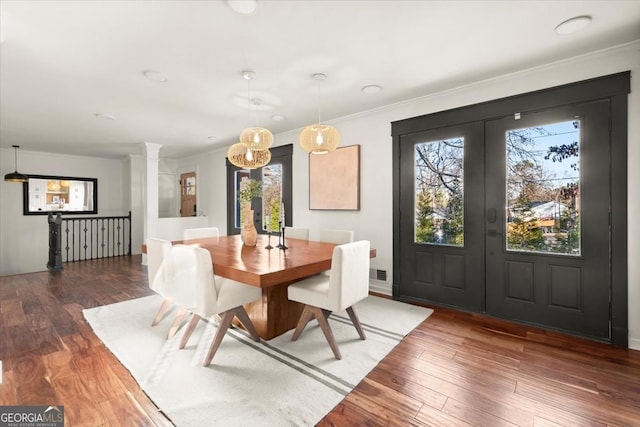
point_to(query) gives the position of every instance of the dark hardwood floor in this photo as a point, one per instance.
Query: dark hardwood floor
(455, 369)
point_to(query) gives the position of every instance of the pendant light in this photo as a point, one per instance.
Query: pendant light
(255, 138)
(319, 138)
(246, 158)
(252, 151)
(16, 176)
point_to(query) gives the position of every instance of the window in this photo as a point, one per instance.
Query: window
(543, 188)
(439, 192)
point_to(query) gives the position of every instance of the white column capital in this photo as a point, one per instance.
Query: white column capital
(152, 150)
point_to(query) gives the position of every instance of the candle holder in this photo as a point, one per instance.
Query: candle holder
(269, 241)
(279, 235)
(283, 246)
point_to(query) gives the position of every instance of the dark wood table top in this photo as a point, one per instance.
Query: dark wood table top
(262, 267)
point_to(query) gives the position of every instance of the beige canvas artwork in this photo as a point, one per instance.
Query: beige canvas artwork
(334, 179)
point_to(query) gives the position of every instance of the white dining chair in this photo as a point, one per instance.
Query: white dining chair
(296, 233)
(338, 237)
(158, 251)
(162, 281)
(200, 233)
(206, 295)
(346, 284)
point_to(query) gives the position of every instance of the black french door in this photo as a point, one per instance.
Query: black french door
(276, 191)
(441, 215)
(518, 215)
(548, 243)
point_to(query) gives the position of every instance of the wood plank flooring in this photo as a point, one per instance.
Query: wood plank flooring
(456, 369)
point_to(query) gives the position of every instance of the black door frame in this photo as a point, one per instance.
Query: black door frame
(613, 87)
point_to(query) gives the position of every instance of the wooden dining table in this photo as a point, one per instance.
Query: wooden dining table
(272, 270)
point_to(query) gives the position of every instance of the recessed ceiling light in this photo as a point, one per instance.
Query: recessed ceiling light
(573, 25)
(278, 117)
(155, 76)
(243, 7)
(371, 89)
(105, 116)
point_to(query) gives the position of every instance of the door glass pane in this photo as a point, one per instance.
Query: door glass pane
(543, 188)
(439, 191)
(189, 186)
(271, 196)
(239, 175)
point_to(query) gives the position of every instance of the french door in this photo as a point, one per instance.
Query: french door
(275, 179)
(510, 216)
(441, 215)
(547, 218)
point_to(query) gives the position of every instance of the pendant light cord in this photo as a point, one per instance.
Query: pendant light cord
(15, 154)
(249, 100)
(319, 117)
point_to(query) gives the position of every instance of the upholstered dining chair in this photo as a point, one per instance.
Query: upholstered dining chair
(206, 295)
(347, 283)
(200, 233)
(158, 251)
(338, 237)
(296, 233)
(161, 269)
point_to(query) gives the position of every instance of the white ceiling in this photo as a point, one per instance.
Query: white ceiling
(62, 62)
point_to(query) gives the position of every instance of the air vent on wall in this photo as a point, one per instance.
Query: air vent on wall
(375, 274)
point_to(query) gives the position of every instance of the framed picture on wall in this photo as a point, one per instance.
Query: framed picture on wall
(334, 179)
(43, 194)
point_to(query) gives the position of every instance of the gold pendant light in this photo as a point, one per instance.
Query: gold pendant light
(246, 158)
(319, 138)
(16, 176)
(252, 151)
(255, 138)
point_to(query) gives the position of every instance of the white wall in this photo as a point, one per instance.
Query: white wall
(172, 228)
(24, 240)
(212, 188)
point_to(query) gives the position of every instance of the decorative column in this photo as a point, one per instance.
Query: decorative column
(151, 200)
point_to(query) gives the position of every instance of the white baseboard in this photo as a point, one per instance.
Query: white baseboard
(634, 343)
(380, 287)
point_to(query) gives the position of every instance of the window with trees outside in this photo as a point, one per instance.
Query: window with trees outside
(271, 196)
(270, 188)
(543, 188)
(439, 190)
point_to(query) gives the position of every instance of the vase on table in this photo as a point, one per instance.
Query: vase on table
(248, 233)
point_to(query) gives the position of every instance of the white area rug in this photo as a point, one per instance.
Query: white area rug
(271, 383)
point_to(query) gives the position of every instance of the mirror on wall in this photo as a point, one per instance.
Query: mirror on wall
(43, 194)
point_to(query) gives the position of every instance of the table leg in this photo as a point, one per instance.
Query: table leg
(274, 314)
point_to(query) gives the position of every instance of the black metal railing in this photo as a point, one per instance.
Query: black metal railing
(83, 238)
